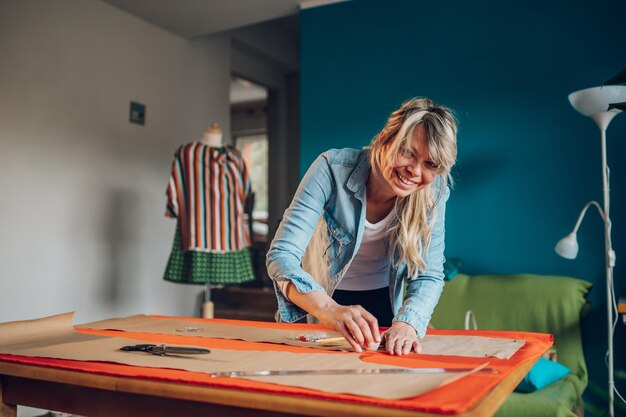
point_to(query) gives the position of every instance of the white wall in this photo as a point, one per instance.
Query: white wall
(81, 212)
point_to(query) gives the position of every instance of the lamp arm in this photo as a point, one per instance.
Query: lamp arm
(607, 220)
(584, 210)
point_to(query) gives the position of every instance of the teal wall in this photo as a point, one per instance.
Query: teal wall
(527, 161)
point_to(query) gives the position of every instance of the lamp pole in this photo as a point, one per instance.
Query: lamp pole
(595, 103)
(610, 262)
(603, 119)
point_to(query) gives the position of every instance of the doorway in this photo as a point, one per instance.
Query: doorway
(249, 127)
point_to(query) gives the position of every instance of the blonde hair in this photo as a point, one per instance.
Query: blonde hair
(416, 213)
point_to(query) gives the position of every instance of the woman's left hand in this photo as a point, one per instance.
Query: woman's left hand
(401, 339)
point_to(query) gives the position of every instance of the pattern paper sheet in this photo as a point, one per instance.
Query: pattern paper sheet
(469, 346)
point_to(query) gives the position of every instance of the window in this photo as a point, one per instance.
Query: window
(254, 149)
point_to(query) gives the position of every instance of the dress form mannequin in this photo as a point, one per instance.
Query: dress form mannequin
(212, 136)
(209, 248)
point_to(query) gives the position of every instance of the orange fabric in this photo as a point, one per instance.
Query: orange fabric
(454, 398)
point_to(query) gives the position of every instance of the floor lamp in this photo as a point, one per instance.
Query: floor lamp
(596, 103)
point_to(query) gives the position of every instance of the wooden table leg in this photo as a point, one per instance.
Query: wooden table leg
(6, 410)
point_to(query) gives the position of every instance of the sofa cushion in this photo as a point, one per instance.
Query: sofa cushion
(451, 268)
(542, 374)
(535, 303)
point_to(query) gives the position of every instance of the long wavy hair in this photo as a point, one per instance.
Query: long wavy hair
(410, 234)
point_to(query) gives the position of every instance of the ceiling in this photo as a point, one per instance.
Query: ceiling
(190, 18)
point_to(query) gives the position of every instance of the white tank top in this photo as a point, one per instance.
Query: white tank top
(369, 269)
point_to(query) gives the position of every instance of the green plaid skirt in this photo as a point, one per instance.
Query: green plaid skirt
(195, 267)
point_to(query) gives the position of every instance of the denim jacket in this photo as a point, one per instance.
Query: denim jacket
(322, 230)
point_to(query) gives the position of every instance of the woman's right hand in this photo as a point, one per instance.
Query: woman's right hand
(357, 325)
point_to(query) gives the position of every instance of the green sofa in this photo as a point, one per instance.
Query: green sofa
(536, 303)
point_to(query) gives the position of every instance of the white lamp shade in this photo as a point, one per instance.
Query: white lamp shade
(596, 100)
(568, 246)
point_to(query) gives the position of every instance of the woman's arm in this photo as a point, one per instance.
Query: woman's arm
(293, 235)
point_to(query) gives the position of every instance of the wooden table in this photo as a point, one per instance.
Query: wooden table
(96, 395)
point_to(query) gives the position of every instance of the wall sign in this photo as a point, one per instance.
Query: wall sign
(137, 113)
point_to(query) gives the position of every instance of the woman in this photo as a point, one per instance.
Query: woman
(362, 223)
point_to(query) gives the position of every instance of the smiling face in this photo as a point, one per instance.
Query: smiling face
(416, 145)
(411, 169)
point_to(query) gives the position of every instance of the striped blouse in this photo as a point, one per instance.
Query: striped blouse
(207, 192)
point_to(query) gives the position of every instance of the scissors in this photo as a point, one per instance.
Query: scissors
(162, 350)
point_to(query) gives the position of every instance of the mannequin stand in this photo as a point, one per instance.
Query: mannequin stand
(208, 309)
